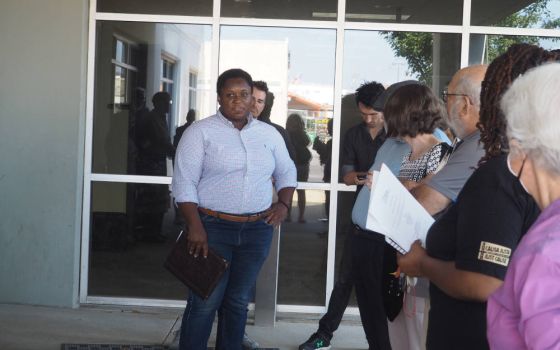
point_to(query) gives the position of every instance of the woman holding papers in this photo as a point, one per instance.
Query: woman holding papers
(468, 249)
(412, 114)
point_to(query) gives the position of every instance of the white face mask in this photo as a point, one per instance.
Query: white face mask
(518, 176)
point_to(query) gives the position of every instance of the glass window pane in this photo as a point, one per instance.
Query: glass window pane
(484, 48)
(303, 251)
(121, 49)
(390, 57)
(448, 12)
(298, 66)
(128, 137)
(120, 86)
(324, 10)
(517, 14)
(343, 230)
(160, 7)
(132, 229)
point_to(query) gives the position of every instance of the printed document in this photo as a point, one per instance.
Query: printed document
(395, 213)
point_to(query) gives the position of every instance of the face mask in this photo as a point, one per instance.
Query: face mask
(518, 176)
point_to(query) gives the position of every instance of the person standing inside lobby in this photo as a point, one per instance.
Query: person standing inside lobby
(360, 146)
(222, 183)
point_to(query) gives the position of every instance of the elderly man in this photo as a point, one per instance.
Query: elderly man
(436, 192)
(462, 97)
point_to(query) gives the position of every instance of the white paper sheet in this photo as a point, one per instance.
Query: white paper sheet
(394, 212)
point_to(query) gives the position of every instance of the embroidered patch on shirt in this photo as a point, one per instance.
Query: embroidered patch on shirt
(494, 253)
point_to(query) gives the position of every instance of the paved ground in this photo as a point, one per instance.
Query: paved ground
(25, 327)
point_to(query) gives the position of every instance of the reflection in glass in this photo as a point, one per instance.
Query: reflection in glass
(160, 7)
(390, 57)
(404, 11)
(324, 10)
(343, 253)
(132, 228)
(298, 66)
(517, 14)
(303, 254)
(143, 59)
(485, 48)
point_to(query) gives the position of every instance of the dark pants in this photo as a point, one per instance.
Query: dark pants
(367, 263)
(340, 294)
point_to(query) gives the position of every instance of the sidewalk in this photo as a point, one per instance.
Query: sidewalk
(26, 327)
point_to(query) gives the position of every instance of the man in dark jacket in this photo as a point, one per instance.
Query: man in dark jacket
(262, 107)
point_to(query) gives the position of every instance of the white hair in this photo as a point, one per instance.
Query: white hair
(532, 109)
(468, 86)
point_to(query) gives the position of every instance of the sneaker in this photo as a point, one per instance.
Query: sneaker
(316, 342)
(248, 343)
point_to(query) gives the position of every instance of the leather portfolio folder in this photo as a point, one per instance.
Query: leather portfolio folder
(200, 274)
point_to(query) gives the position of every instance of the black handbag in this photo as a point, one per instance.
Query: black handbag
(393, 285)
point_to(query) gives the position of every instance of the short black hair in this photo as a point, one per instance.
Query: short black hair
(368, 92)
(260, 85)
(161, 98)
(412, 110)
(232, 74)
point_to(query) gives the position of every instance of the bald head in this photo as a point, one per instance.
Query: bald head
(463, 102)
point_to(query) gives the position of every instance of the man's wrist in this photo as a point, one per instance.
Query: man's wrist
(284, 204)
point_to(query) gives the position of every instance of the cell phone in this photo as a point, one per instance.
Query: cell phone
(362, 177)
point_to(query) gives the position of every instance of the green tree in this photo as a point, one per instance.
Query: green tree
(416, 48)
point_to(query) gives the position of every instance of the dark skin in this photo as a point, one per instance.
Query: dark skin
(235, 100)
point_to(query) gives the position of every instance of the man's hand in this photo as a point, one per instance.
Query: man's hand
(278, 213)
(197, 241)
(411, 262)
(369, 180)
(355, 178)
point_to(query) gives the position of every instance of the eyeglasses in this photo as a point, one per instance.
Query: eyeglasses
(445, 93)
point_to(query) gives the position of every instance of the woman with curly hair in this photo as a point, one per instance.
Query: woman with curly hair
(469, 247)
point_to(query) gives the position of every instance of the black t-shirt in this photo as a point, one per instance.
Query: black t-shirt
(360, 149)
(479, 232)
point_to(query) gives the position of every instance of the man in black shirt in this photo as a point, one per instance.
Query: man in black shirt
(362, 141)
(262, 106)
(360, 147)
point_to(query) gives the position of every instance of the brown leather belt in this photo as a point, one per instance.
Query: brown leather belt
(234, 217)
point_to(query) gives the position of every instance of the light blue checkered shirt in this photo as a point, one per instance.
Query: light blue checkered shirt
(222, 168)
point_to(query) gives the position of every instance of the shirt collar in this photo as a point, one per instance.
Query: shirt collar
(472, 136)
(226, 121)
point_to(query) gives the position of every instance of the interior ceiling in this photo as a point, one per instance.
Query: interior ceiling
(450, 12)
(484, 12)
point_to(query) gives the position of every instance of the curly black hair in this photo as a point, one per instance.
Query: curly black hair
(231, 74)
(518, 59)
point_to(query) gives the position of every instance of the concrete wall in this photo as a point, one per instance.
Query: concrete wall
(42, 112)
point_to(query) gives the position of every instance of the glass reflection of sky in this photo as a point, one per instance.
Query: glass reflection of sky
(311, 50)
(367, 57)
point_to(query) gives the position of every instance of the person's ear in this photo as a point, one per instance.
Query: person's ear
(466, 106)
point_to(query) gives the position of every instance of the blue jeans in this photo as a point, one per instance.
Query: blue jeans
(245, 246)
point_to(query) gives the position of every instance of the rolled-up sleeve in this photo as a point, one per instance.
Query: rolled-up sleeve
(285, 170)
(189, 160)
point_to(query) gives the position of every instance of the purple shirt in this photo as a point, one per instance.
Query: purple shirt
(524, 313)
